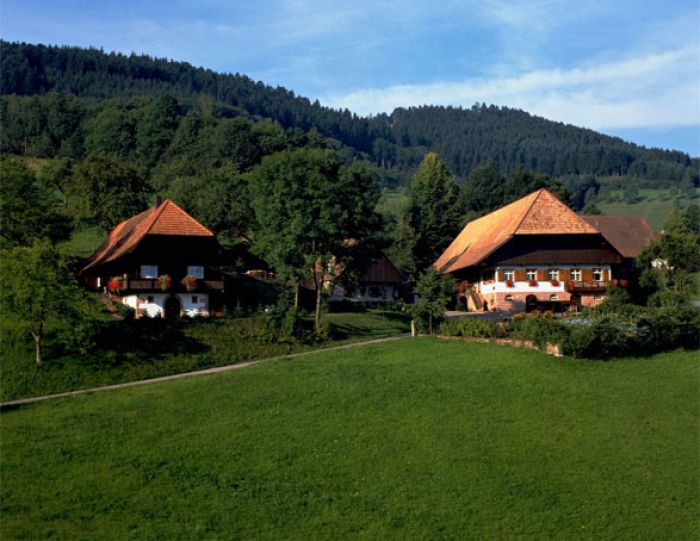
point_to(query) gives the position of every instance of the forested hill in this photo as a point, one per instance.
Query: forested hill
(464, 138)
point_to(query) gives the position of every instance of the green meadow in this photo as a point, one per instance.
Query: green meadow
(418, 439)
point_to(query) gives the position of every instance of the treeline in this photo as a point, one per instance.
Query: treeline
(106, 158)
(464, 138)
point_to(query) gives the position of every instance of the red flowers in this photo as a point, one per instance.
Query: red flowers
(114, 284)
(190, 283)
(509, 283)
(624, 283)
(555, 282)
(532, 283)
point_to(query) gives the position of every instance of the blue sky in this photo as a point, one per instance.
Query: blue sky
(624, 68)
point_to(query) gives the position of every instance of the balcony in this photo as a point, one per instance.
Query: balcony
(580, 286)
(139, 285)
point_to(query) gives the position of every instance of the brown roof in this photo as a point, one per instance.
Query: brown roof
(539, 213)
(628, 234)
(164, 219)
(381, 271)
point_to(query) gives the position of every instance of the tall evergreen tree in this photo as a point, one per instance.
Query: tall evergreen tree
(435, 210)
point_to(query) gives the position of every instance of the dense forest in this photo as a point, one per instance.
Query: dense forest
(464, 138)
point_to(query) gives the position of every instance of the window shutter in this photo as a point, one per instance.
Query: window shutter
(541, 275)
(587, 275)
(519, 275)
(564, 275)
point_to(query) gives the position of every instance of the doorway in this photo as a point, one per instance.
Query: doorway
(172, 308)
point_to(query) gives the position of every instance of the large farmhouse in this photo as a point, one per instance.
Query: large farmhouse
(536, 253)
(159, 263)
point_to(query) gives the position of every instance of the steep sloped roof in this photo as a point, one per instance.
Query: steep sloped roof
(165, 219)
(382, 271)
(629, 235)
(538, 213)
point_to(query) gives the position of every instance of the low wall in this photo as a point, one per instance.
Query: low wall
(550, 349)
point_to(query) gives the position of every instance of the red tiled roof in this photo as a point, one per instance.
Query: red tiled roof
(538, 213)
(629, 235)
(165, 219)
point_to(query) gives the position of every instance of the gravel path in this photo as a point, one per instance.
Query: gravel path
(14, 403)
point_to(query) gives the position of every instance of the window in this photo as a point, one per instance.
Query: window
(553, 274)
(509, 298)
(597, 297)
(509, 274)
(195, 299)
(149, 271)
(150, 299)
(196, 271)
(553, 298)
(576, 275)
(531, 274)
(376, 292)
(598, 275)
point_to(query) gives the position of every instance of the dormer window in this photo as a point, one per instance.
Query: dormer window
(149, 271)
(509, 275)
(196, 271)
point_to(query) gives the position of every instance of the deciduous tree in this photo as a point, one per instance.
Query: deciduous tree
(313, 214)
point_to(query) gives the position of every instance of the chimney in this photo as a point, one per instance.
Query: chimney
(159, 200)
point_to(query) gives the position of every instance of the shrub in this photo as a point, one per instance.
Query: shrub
(603, 339)
(542, 331)
(472, 327)
(666, 328)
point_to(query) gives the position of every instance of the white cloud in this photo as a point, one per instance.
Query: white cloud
(658, 89)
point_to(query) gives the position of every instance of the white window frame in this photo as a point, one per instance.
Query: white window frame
(576, 275)
(553, 274)
(509, 275)
(196, 271)
(148, 272)
(531, 274)
(510, 298)
(599, 272)
(553, 298)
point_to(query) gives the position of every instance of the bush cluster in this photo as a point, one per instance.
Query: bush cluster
(610, 334)
(472, 327)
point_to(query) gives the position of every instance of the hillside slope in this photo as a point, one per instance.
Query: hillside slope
(464, 138)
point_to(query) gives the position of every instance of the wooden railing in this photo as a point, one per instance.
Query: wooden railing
(142, 284)
(574, 285)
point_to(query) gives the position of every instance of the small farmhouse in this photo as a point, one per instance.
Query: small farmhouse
(159, 262)
(536, 253)
(379, 284)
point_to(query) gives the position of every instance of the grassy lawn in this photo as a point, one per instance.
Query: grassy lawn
(133, 350)
(420, 439)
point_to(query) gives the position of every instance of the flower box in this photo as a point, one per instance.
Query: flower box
(164, 282)
(190, 283)
(532, 283)
(115, 284)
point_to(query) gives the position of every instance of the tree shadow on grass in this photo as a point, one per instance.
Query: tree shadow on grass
(142, 340)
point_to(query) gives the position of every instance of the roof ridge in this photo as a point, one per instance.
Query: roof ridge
(527, 211)
(173, 203)
(159, 210)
